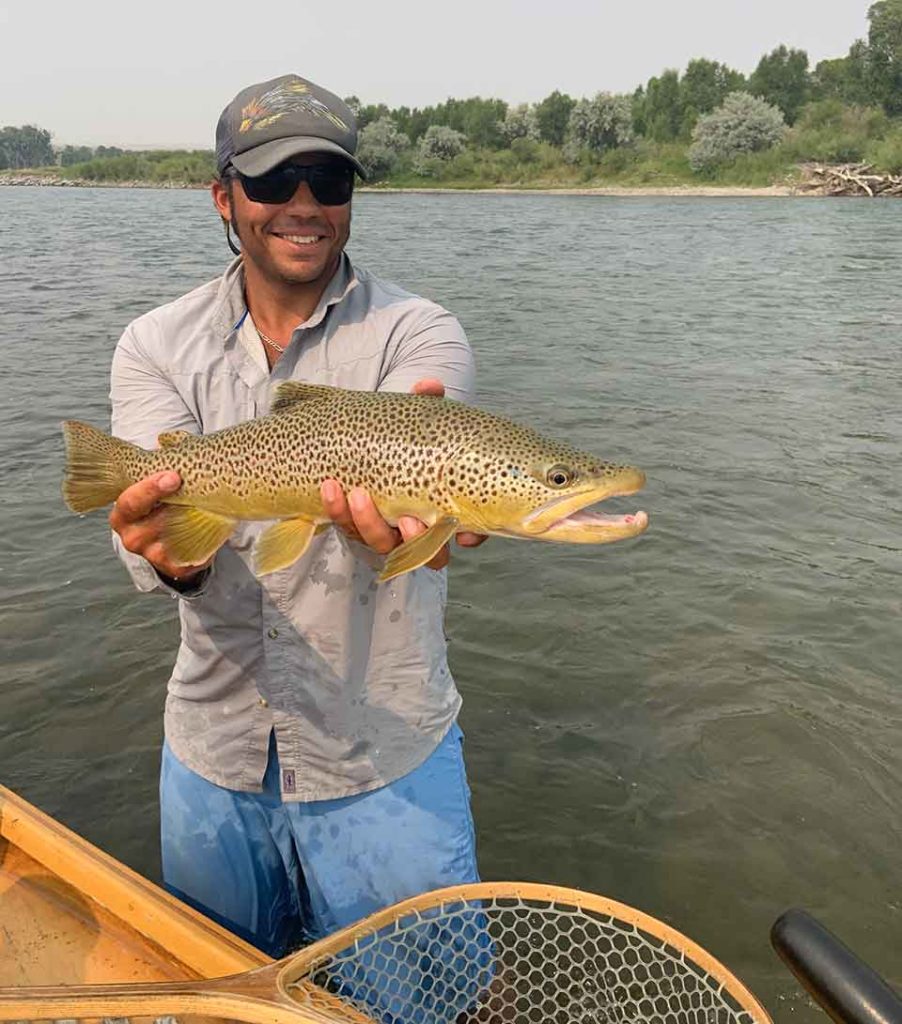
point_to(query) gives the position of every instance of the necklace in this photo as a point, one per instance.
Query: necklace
(272, 344)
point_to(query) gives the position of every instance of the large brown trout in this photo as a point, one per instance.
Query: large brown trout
(451, 465)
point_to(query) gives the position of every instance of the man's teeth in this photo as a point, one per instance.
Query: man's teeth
(302, 239)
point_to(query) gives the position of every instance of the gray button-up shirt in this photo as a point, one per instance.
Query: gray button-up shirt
(351, 675)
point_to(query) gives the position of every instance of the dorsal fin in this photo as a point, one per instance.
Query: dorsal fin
(173, 437)
(290, 392)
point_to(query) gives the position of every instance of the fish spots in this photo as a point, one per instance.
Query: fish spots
(416, 454)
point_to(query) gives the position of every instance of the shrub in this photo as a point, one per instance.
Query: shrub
(519, 123)
(602, 123)
(439, 144)
(526, 150)
(886, 154)
(834, 132)
(380, 146)
(743, 124)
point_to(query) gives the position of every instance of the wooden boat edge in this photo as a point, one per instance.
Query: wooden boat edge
(204, 948)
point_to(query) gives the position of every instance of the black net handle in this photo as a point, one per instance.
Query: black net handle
(844, 986)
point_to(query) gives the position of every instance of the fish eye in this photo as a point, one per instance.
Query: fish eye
(559, 476)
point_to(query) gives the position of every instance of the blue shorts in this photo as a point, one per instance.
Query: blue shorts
(284, 874)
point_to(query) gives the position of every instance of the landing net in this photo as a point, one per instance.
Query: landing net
(537, 956)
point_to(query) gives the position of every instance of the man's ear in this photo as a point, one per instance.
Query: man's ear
(221, 199)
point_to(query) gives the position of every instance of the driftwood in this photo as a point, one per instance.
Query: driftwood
(849, 180)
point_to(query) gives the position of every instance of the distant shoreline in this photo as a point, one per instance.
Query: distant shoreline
(706, 191)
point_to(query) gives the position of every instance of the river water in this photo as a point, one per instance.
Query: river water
(703, 722)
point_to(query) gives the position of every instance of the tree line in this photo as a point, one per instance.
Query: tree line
(670, 107)
(711, 113)
(30, 146)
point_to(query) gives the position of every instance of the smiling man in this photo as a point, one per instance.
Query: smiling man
(312, 770)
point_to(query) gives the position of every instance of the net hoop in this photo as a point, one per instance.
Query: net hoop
(302, 981)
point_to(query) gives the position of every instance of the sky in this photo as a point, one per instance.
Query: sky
(108, 72)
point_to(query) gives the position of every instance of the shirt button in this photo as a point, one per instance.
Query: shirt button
(264, 703)
(272, 633)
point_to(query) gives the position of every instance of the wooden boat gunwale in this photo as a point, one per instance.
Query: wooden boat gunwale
(203, 948)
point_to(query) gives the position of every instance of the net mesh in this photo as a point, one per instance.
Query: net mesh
(520, 960)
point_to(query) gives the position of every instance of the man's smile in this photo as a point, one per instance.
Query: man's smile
(305, 240)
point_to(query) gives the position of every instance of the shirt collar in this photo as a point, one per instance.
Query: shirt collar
(231, 309)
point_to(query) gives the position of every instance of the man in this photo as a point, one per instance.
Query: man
(312, 771)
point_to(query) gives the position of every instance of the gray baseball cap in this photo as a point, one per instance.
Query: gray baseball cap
(266, 124)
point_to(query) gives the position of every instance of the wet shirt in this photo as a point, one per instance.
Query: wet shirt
(351, 675)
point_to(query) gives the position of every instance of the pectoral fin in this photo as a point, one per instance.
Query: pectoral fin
(192, 535)
(419, 550)
(282, 544)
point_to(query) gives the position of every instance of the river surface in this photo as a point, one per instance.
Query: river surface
(704, 722)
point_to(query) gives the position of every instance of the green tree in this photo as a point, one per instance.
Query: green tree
(704, 86)
(478, 119)
(412, 123)
(781, 79)
(640, 123)
(663, 113)
(366, 113)
(884, 54)
(70, 155)
(844, 78)
(552, 117)
(475, 117)
(27, 146)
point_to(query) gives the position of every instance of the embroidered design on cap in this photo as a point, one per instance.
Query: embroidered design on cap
(284, 99)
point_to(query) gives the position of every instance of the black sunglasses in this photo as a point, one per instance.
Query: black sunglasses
(331, 184)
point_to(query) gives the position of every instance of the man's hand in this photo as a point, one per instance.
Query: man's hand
(359, 518)
(137, 517)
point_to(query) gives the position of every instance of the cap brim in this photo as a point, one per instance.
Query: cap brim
(264, 158)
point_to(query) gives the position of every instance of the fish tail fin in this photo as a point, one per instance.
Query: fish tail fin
(94, 473)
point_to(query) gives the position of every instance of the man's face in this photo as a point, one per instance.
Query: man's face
(296, 242)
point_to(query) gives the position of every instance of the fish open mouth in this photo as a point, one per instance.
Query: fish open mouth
(591, 517)
(590, 526)
(576, 518)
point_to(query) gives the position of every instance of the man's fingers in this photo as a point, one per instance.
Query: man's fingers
(336, 507)
(356, 514)
(471, 540)
(429, 386)
(139, 535)
(139, 500)
(156, 554)
(374, 531)
(410, 527)
(441, 559)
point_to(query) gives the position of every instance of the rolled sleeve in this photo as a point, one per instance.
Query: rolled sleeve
(144, 398)
(432, 344)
